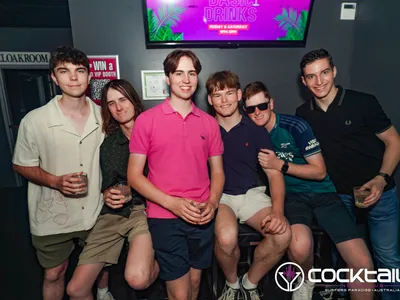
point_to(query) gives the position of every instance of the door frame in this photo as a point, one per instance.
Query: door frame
(5, 108)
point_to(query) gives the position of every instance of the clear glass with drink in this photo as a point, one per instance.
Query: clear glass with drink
(83, 178)
(125, 190)
(360, 195)
(200, 205)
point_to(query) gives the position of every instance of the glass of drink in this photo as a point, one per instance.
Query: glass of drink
(201, 206)
(83, 178)
(360, 195)
(125, 190)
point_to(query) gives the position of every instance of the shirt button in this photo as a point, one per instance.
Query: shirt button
(83, 207)
(80, 142)
(81, 165)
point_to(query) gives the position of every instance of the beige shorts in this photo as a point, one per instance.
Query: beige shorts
(106, 239)
(247, 205)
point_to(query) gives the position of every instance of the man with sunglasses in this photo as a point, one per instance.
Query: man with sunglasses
(244, 196)
(309, 191)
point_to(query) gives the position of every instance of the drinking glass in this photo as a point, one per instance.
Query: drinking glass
(360, 195)
(125, 190)
(83, 179)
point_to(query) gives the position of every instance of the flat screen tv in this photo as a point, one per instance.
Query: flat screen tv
(226, 23)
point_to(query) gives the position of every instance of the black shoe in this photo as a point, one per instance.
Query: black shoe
(229, 293)
(248, 294)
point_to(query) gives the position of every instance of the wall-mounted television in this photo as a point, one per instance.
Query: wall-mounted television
(226, 23)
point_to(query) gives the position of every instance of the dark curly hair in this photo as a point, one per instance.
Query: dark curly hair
(67, 54)
(110, 125)
(314, 55)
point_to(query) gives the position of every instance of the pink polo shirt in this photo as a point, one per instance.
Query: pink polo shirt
(177, 151)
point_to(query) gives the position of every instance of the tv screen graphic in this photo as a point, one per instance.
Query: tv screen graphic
(219, 23)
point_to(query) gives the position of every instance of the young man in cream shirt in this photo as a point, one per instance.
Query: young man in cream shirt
(56, 143)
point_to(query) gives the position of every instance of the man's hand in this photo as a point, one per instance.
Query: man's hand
(268, 160)
(113, 198)
(376, 185)
(207, 212)
(186, 209)
(70, 184)
(274, 223)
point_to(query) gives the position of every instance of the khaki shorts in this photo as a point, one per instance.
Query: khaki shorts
(53, 250)
(247, 205)
(106, 239)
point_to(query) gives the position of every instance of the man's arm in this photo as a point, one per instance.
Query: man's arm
(277, 189)
(140, 183)
(314, 169)
(391, 158)
(37, 175)
(275, 222)
(183, 208)
(217, 185)
(67, 184)
(217, 179)
(26, 161)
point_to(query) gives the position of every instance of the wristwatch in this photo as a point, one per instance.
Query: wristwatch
(385, 176)
(285, 167)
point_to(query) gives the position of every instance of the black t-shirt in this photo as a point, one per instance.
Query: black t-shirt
(241, 146)
(347, 135)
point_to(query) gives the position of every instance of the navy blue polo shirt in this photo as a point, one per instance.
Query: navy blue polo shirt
(242, 144)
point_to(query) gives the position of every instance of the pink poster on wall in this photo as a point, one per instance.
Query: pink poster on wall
(102, 68)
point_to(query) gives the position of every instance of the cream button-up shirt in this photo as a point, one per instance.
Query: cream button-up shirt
(48, 139)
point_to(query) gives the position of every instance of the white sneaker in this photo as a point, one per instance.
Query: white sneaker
(107, 296)
(305, 292)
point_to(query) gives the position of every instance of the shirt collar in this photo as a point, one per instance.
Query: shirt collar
(167, 108)
(56, 117)
(338, 100)
(277, 119)
(244, 121)
(121, 137)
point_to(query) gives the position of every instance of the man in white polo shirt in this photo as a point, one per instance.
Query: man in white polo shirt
(56, 143)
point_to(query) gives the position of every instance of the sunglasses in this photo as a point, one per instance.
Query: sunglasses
(251, 109)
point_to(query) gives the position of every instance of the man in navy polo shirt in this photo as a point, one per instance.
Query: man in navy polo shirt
(244, 196)
(309, 191)
(361, 148)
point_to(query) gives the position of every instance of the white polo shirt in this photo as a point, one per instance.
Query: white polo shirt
(48, 139)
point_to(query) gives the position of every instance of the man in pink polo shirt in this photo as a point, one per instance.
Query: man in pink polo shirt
(178, 140)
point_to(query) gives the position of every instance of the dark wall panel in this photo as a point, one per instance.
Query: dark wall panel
(375, 64)
(28, 40)
(109, 27)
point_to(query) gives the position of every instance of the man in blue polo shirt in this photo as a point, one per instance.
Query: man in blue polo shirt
(309, 190)
(244, 196)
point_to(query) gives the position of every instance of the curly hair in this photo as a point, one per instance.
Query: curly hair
(67, 54)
